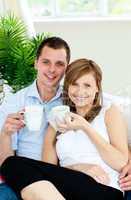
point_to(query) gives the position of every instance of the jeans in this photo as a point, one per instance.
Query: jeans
(128, 195)
(6, 193)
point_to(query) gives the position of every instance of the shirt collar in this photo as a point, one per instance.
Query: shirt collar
(33, 92)
(58, 93)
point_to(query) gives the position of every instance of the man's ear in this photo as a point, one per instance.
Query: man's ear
(35, 64)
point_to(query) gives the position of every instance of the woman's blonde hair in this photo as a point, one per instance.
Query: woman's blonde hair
(74, 71)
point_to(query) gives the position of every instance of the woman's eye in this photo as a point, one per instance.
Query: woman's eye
(74, 84)
(87, 85)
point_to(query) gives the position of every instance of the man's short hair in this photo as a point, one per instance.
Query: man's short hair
(55, 43)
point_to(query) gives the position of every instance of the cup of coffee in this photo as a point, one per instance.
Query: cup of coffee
(33, 115)
(58, 114)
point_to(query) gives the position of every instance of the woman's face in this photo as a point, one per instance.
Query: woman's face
(82, 92)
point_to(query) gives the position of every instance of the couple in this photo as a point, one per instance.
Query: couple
(95, 154)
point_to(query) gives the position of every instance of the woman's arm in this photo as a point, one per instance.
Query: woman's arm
(115, 153)
(95, 171)
(49, 151)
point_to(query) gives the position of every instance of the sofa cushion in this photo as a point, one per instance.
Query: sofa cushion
(124, 103)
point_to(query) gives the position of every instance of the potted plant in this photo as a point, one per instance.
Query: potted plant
(17, 52)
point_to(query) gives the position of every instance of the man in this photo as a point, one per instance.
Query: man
(125, 180)
(52, 58)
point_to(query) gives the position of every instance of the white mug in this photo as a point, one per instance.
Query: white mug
(58, 114)
(33, 115)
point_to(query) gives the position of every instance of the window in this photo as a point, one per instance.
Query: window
(79, 8)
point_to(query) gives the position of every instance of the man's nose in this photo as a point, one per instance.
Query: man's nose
(52, 68)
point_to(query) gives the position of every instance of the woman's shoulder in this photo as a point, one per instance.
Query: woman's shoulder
(113, 109)
(113, 113)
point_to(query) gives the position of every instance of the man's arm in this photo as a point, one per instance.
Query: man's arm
(125, 176)
(129, 153)
(5, 147)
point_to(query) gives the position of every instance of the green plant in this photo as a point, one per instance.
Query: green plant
(17, 52)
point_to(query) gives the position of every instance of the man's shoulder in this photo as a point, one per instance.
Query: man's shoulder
(23, 91)
(18, 97)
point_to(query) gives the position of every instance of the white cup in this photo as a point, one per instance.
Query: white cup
(60, 112)
(33, 115)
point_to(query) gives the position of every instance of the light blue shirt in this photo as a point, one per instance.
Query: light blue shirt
(27, 143)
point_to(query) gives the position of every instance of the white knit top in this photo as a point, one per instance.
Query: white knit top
(75, 147)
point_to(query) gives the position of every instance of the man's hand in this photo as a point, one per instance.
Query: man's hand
(13, 123)
(95, 171)
(125, 177)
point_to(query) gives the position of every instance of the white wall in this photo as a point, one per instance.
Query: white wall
(20, 9)
(107, 42)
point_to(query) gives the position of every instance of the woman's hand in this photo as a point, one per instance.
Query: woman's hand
(95, 171)
(72, 122)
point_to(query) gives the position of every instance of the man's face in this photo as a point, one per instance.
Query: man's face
(51, 66)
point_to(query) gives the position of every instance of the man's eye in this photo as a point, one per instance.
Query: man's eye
(45, 62)
(60, 64)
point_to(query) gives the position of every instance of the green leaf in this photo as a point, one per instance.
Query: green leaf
(17, 51)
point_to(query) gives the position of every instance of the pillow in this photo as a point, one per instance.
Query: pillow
(7, 92)
(124, 103)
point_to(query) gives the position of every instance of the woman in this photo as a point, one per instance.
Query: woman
(92, 135)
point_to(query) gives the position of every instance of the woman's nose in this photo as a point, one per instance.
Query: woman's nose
(81, 91)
